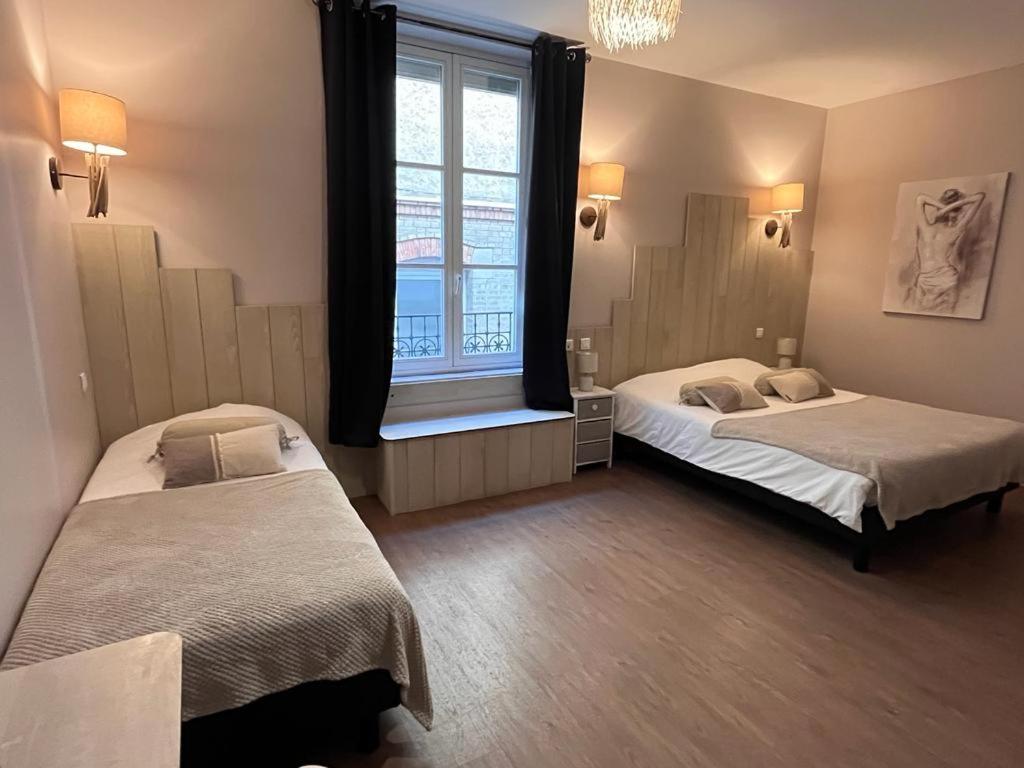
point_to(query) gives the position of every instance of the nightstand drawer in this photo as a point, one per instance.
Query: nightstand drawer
(593, 451)
(589, 431)
(595, 408)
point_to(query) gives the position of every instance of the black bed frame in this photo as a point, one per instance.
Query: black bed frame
(312, 723)
(871, 521)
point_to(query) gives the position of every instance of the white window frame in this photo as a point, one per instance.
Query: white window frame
(454, 60)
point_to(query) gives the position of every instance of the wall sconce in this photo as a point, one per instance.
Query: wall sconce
(97, 125)
(786, 349)
(605, 186)
(787, 199)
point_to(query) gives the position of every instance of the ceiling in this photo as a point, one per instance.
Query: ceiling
(820, 52)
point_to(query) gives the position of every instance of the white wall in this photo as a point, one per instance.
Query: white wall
(676, 136)
(49, 425)
(226, 142)
(960, 128)
(225, 131)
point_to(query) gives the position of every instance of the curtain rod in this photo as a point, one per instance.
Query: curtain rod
(462, 30)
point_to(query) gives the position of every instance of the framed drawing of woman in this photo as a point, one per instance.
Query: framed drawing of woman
(944, 244)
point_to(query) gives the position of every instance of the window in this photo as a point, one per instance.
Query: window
(460, 215)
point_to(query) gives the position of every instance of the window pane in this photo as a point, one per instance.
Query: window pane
(489, 311)
(490, 121)
(490, 229)
(419, 314)
(418, 102)
(420, 224)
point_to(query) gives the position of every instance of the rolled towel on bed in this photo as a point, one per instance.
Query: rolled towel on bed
(763, 384)
(688, 394)
(796, 386)
(729, 396)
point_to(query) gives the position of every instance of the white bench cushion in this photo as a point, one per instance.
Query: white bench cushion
(408, 430)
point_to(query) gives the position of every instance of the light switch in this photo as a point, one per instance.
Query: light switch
(759, 333)
(585, 344)
(83, 379)
(568, 345)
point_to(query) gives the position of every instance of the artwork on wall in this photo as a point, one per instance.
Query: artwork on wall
(944, 245)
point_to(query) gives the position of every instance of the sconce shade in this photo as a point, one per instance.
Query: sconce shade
(786, 347)
(788, 198)
(93, 122)
(606, 181)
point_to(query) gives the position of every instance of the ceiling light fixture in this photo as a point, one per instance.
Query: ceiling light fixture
(635, 24)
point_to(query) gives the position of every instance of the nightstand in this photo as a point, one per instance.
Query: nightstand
(594, 425)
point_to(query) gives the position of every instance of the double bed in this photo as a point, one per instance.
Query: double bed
(650, 419)
(273, 582)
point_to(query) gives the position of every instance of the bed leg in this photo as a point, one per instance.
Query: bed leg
(862, 558)
(368, 735)
(995, 504)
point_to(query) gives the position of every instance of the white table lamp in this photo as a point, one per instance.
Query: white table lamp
(786, 347)
(586, 367)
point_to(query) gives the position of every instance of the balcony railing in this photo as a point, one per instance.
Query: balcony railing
(483, 333)
(486, 333)
(417, 336)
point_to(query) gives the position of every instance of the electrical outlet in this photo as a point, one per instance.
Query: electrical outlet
(568, 345)
(759, 333)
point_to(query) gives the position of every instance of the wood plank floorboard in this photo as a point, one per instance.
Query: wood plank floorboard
(633, 619)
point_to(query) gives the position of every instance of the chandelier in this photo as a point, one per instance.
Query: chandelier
(635, 24)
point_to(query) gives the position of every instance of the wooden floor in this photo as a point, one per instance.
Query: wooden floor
(631, 619)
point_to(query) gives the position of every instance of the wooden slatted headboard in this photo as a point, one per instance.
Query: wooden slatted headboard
(163, 342)
(703, 300)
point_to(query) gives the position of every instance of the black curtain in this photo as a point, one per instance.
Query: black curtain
(358, 46)
(558, 76)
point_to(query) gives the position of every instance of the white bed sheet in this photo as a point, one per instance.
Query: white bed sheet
(125, 468)
(647, 408)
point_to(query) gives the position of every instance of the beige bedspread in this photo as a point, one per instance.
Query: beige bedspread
(270, 583)
(920, 458)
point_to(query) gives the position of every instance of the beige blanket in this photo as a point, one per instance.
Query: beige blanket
(919, 458)
(270, 583)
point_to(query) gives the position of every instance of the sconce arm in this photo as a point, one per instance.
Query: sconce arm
(56, 174)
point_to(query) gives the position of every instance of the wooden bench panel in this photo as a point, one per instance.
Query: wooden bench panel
(422, 472)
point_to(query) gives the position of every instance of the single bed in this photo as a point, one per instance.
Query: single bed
(650, 418)
(274, 584)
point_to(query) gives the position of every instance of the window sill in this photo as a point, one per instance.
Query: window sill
(451, 425)
(398, 381)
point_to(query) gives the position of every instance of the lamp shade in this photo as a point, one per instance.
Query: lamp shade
(606, 181)
(93, 122)
(788, 198)
(786, 346)
(586, 362)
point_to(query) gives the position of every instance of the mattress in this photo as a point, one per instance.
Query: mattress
(647, 408)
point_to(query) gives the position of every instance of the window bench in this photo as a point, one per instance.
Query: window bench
(435, 462)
